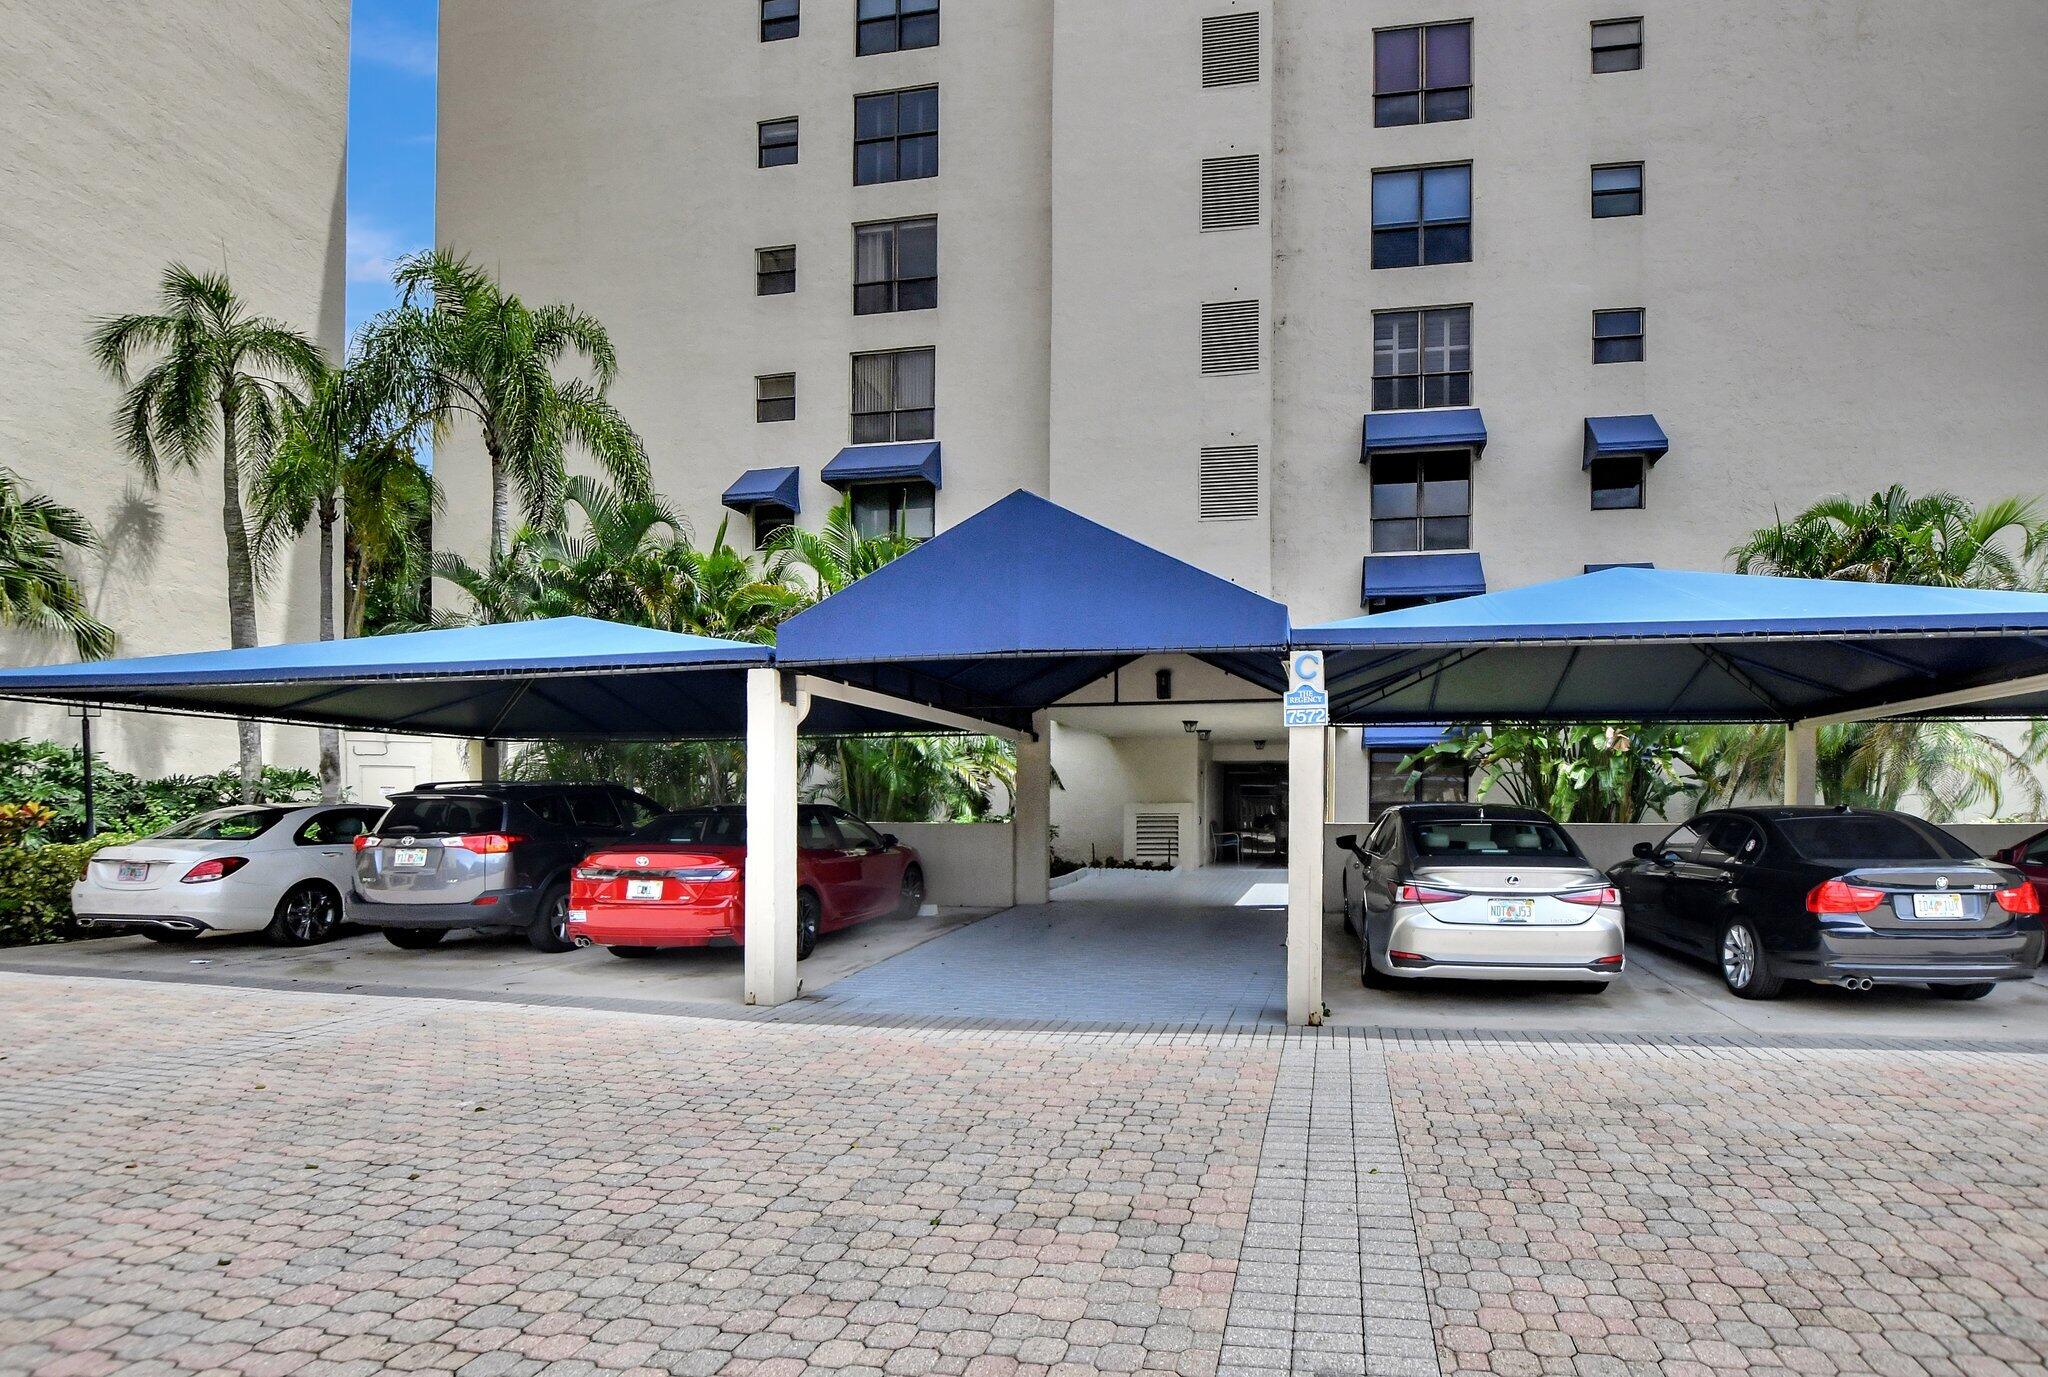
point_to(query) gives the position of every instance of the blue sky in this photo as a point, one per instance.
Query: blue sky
(391, 145)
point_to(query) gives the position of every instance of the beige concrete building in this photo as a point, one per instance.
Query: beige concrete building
(1809, 241)
(209, 132)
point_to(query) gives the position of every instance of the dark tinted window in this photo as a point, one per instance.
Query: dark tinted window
(1728, 841)
(886, 26)
(777, 146)
(698, 827)
(780, 19)
(815, 832)
(1618, 336)
(593, 809)
(224, 824)
(1684, 840)
(895, 266)
(338, 828)
(1617, 190)
(1422, 501)
(439, 815)
(857, 832)
(775, 271)
(1618, 481)
(1422, 215)
(637, 809)
(896, 136)
(1422, 75)
(2036, 852)
(1481, 840)
(1870, 839)
(552, 809)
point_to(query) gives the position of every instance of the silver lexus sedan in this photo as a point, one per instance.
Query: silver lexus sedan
(1479, 892)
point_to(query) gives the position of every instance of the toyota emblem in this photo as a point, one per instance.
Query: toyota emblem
(639, 860)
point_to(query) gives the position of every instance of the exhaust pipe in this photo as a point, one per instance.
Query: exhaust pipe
(1858, 982)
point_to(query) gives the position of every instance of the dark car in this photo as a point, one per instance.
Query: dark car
(495, 857)
(2030, 858)
(1850, 897)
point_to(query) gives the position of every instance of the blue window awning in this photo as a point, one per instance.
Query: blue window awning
(1388, 432)
(1613, 437)
(913, 460)
(1448, 574)
(1410, 736)
(763, 488)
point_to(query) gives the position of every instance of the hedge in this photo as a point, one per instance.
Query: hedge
(35, 889)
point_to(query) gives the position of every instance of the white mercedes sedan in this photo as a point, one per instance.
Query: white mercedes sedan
(278, 869)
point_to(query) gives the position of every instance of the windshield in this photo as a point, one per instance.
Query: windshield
(226, 824)
(439, 815)
(696, 829)
(1870, 839)
(1479, 841)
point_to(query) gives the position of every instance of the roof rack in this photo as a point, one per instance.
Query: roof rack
(443, 785)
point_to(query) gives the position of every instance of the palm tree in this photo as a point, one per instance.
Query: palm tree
(36, 592)
(218, 375)
(837, 554)
(458, 344)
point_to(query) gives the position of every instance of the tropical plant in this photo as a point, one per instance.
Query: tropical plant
(1894, 537)
(35, 889)
(52, 777)
(1589, 773)
(36, 591)
(216, 380)
(835, 555)
(911, 778)
(1947, 768)
(675, 773)
(458, 345)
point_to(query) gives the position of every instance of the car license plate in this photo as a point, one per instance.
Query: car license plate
(410, 857)
(132, 870)
(643, 889)
(1512, 910)
(1937, 905)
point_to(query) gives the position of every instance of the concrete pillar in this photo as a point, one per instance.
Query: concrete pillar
(490, 760)
(1308, 757)
(1031, 817)
(1802, 763)
(774, 711)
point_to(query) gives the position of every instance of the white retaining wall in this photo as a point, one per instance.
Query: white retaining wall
(968, 864)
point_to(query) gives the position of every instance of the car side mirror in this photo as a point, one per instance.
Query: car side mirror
(889, 839)
(1348, 842)
(1643, 851)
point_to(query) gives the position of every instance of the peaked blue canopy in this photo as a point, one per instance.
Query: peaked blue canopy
(1021, 604)
(1676, 645)
(564, 677)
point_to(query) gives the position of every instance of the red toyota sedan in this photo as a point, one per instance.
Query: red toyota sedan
(680, 881)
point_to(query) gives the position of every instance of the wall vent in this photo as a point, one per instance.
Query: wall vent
(1230, 336)
(1229, 482)
(1230, 192)
(1155, 832)
(1230, 49)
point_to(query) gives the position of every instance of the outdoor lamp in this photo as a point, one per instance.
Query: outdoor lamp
(1188, 725)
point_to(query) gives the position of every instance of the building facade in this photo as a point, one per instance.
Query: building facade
(1351, 303)
(212, 133)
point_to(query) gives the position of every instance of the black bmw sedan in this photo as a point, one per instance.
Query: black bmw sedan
(1849, 897)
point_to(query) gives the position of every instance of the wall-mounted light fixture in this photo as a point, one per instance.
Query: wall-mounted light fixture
(1187, 724)
(1259, 743)
(1202, 734)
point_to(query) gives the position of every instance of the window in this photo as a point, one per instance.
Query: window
(778, 143)
(1617, 190)
(894, 509)
(1870, 839)
(1422, 358)
(1230, 192)
(1230, 336)
(1728, 840)
(1422, 215)
(225, 824)
(1618, 336)
(815, 832)
(895, 136)
(893, 396)
(769, 522)
(1230, 49)
(1387, 783)
(339, 828)
(1617, 45)
(780, 19)
(775, 397)
(1618, 482)
(887, 26)
(775, 271)
(1481, 842)
(895, 266)
(1227, 487)
(1422, 502)
(1421, 75)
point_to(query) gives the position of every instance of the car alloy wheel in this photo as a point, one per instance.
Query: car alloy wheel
(307, 914)
(807, 918)
(550, 929)
(1745, 965)
(913, 889)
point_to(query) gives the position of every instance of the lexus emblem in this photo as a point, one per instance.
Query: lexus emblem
(1941, 882)
(1514, 879)
(642, 860)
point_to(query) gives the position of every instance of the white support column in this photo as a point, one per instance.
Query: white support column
(490, 760)
(774, 711)
(1802, 763)
(1307, 805)
(1031, 817)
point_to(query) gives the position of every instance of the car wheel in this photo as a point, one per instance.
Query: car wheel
(913, 890)
(171, 937)
(1975, 990)
(632, 953)
(1745, 965)
(808, 914)
(1369, 975)
(308, 913)
(414, 939)
(549, 930)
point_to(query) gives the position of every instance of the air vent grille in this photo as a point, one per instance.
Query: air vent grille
(1230, 336)
(1230, 192)
(1156, 838)
(1229, 482)
(1230, 49)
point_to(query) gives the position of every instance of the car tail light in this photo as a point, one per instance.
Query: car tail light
(1839, 896)
(2021, 898)
(1407, 958)
(217, 868)
(592, 873)
(1423, 894)
(1608, 962)
(364, 841)
(1605, 897)
(483, 843)
(706, 874)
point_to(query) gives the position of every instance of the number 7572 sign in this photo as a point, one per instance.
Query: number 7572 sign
(1307, 703)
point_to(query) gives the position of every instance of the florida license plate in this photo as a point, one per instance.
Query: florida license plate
(1937, 905)
(132, 871)
(643, 889)
(410, 857)
(1512, 910)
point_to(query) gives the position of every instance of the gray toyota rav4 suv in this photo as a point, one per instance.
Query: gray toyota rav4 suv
(495, 857)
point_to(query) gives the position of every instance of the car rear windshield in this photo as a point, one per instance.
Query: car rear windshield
(696, 829)
(226, 824)
(438, 815)
(1481, 840)
(1870, 839)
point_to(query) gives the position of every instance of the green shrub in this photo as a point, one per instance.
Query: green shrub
(35, 889)
(46, 773)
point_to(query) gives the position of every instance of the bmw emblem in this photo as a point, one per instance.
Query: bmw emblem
(1941, 882)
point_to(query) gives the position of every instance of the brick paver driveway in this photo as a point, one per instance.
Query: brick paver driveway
(203, 1179)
